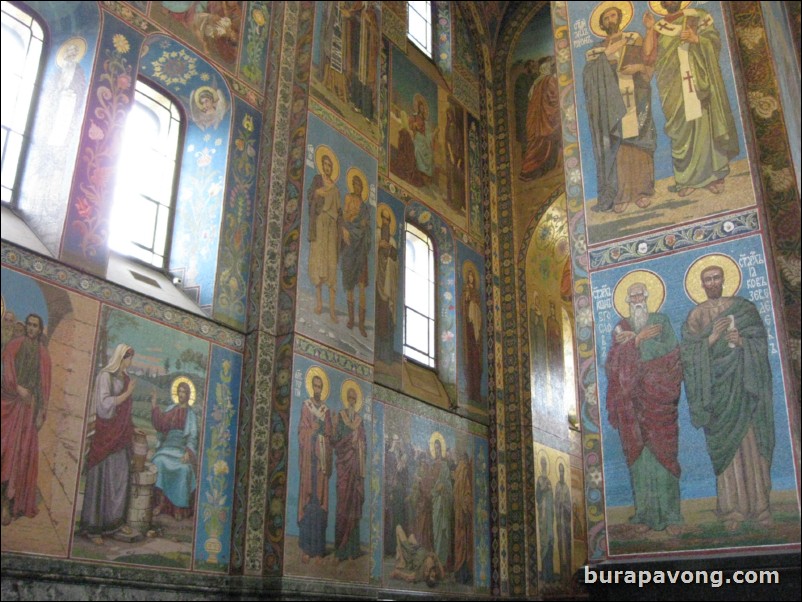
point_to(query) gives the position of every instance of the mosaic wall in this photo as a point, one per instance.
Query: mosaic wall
(328, 492)
(119, 423)
(688, 442)
(734, 222)
(471, 345)
(88, 89)
(382, 491)
(555, 525)
(340, 322)
(336, 269)
(675, 292)
(536, 151)
(426, 139)
(345, 62)
(548, 319)
(52, 152)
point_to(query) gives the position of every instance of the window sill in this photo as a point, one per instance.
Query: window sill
(422, 383)
(16, 231)
(148, 281)
(121, 270)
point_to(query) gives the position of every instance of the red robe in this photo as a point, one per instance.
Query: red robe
(349, 444)
(642, 400)
(112, 434)
(20, 437)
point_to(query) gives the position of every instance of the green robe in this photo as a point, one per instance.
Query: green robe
(702, 148)
(729, 389)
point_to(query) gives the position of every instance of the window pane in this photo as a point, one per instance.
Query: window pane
(417, 331)
(419, 257)
(417, 296)
(21, 60)
(419, 325)
(419, 357)
(162, 221)
(419, 25)
(146, 176)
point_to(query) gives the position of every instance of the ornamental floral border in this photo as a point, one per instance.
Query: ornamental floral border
(86, 229)
(658, 244)
(251, 491)
(216, 476)
(250, 92)
(779, 193)
(517, 539)
(295, 72)
(233, 263)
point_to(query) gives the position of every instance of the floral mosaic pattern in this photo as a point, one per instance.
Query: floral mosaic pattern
(442, 44)
(511, 483)
(200, 199)
(87, 230)
(761, 99)
(217, 478)
(252, 64)
(236, 232)
(686, 236)
(780, 194)
(475, 178)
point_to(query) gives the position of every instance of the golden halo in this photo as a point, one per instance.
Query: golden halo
(347, 386)
(79, 43)
(325, 151)
(418, 99)
(657, 8)
(468, 266)
(437, 436)
(310, 374)
(356, 172)
(654, 284)
(174, 389)
(197, 94)
(384, 208)
(3, 302)
(693, 277)
(626, 16)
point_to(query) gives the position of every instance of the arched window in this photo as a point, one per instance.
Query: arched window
(419, 304)
(22, 42)
(419, 25)
(148, 168)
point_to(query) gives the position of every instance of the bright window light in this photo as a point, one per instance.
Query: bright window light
(22, 40)
(419, 25)
(419, 305)
(147, 169)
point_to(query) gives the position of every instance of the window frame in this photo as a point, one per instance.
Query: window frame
(427, 52)
(180, 151)
(432, 362)
(33, 102)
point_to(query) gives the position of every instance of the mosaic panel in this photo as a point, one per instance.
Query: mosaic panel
(336, 271)
(328, 494)
(695, 444)
(345, 61)
(56, 130)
